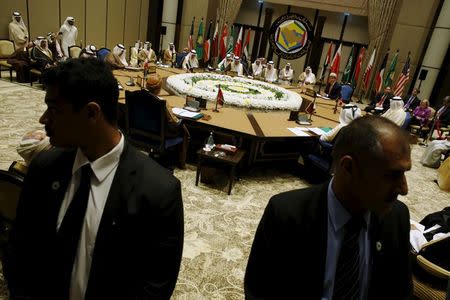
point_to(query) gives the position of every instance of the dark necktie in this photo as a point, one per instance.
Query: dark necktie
(408, 104)
(68, 235)
(346, 279)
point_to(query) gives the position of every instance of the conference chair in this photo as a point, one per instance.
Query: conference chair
(6, 50)
(74, 51)
(146, 127)
(346, 93)
(10, 188)
(322, 159)
(102, 52)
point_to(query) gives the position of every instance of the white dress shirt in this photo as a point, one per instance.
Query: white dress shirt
(104, 169)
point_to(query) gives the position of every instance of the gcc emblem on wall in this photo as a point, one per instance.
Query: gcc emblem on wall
(290, 36)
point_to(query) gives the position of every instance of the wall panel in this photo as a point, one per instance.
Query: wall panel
(132, 17)
(7, 8)
(116, 22)
(96, 22)
(144, 20)
(44, 17)
(77, 10)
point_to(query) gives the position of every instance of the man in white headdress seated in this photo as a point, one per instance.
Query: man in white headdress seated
(68, 33)
(237, 67)
(89, 52)
(257, 68)
(307, 77)
(270, 73)
(32, 143)
(117, 57)
(54, 46)
(169, 55)
(41, 54)
(225, 63)
(190, 61)
(396, 113)
(134, 55)
(347, 115)
(146, 54)
(286, 74)
(18, 32)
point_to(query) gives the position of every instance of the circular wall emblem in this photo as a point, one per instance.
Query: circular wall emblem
(291, 35)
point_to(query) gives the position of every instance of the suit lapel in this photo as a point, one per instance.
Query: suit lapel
(121, 188)
(376, 251)
(57, 186)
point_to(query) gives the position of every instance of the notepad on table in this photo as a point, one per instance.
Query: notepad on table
(180, 112)
(299, 131)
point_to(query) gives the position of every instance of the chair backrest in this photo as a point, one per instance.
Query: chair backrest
(6, 48)
(10, 188)
(146, 118)
(74, 51)
(346, 92)
(102, 52)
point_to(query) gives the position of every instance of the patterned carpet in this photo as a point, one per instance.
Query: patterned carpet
(218, 228)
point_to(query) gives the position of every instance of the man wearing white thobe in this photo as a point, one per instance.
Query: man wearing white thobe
(286, 74)
(18, 32)
(68, 33)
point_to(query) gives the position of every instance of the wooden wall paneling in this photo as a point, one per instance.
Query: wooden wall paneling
(7, 8)
(44, 17)
(96, 22)
(144, 20)
(77, 10)
(116, 22)
(132, 17)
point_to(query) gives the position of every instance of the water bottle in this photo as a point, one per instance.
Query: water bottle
(210, 141)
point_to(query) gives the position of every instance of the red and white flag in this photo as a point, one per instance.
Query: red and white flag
(358, 66)
(403, 78)
(215, 41)
(368, 71)
(223, 41)
(336, 61)
(380, 74)
(219, 98)
(246, 43)
(238, 45)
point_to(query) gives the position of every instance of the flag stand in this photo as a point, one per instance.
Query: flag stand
(215, 109)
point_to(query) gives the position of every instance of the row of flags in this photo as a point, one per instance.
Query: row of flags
(380, 80)
(209, 47)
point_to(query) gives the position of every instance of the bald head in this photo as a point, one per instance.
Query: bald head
(364, 136)
(370, 157)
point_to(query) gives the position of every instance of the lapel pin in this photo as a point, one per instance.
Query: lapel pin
(55, 185)
(379, 246)
(114, 223)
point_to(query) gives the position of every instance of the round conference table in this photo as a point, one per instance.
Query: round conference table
(263, 134)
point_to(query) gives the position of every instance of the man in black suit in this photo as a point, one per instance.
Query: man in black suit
(96, 219)
(381, 103)
(412, 101)
(443, 113)
(333, 88)
(347, 238)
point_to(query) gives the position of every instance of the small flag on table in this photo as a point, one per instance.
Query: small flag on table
(219, 99)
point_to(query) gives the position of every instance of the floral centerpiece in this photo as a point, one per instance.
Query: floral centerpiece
(237, 91)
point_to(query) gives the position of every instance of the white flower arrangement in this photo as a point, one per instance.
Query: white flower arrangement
(237, 91)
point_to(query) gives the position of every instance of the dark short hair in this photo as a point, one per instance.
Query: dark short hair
(84, 80)
(362, 136)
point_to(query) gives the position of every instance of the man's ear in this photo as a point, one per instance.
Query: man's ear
(93, 111)
(347, 165)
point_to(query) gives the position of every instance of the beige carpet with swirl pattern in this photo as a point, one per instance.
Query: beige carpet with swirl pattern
(218, 228)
